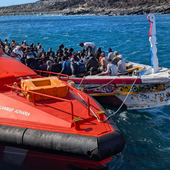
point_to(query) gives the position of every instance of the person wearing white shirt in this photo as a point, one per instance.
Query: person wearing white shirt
(121, 65)
(89, 45)
(111, 69)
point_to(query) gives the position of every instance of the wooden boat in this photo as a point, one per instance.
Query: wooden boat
(143, 87)
(45, 121)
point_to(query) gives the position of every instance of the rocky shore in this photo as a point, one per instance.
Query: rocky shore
(92, 7)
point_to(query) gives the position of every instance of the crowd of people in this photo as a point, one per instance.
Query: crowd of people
(88, 61)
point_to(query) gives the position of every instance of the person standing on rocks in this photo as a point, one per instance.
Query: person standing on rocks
(89, 45)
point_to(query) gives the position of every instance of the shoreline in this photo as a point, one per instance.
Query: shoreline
(21, 10)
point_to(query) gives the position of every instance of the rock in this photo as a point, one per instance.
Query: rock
(96, 7)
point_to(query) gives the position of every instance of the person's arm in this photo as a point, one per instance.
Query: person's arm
(106, 72)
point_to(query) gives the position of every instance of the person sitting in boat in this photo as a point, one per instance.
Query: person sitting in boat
(103, 62)
(51, 53)
(74, 65)
(49, 65)
(66, 66)
(111, 54)
(81, 66)
(40, 49)
(70, 51)
(83, 58)
(56, 67)
(7, 49)
(17, 53)
(30, 59)
(59, 50)
(92, 65)
(13, 44)
(111, 69)
(89, 45)
(98, 52)
(42, 65)
(121, 65)
(6, 42)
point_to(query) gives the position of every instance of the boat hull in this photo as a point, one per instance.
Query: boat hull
(28, 159)
(129, 91)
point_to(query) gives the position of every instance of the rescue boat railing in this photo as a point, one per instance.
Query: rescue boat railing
(44, 95)
(74, 89)
(52, 73)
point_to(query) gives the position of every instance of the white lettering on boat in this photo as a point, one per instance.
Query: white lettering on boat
(6, 108)
(22, 112)
(9, 109)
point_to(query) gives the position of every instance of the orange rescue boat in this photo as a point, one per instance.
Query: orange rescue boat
(47, 122)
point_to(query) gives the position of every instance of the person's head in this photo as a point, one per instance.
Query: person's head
(65, 49)
(6, 40)
(99, 49)
(109, 50)
(71, 50)
(55, 60)
(40, 62)
(116, 53)
(50, 49)
(81, 44)
(120, 57)
(31, 45)
(61, 46)
(38, 44)
(103, 54)
(64, 58)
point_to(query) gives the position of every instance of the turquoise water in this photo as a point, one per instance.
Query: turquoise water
(147, 132)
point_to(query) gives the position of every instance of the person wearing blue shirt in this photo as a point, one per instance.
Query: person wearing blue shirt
(66, 66)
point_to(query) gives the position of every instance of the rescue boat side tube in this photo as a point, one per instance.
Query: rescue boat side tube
(87, 147)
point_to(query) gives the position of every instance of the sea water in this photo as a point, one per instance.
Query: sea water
(147, 132)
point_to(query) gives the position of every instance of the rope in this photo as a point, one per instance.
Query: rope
(95, 87)
(121, 104)
(81, 82)
(117, 109)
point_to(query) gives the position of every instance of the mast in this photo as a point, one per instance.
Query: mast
(152, 40)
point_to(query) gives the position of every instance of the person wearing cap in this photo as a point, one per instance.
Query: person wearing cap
(89, 45)
(111, 54)
(121, 65)
(115, 59)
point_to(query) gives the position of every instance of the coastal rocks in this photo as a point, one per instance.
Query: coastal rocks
(95, 7)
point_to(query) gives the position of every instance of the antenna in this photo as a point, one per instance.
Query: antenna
(152, 40)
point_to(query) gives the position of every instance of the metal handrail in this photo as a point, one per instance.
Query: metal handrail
(64, 75)
(44, 95)
(49, 72)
